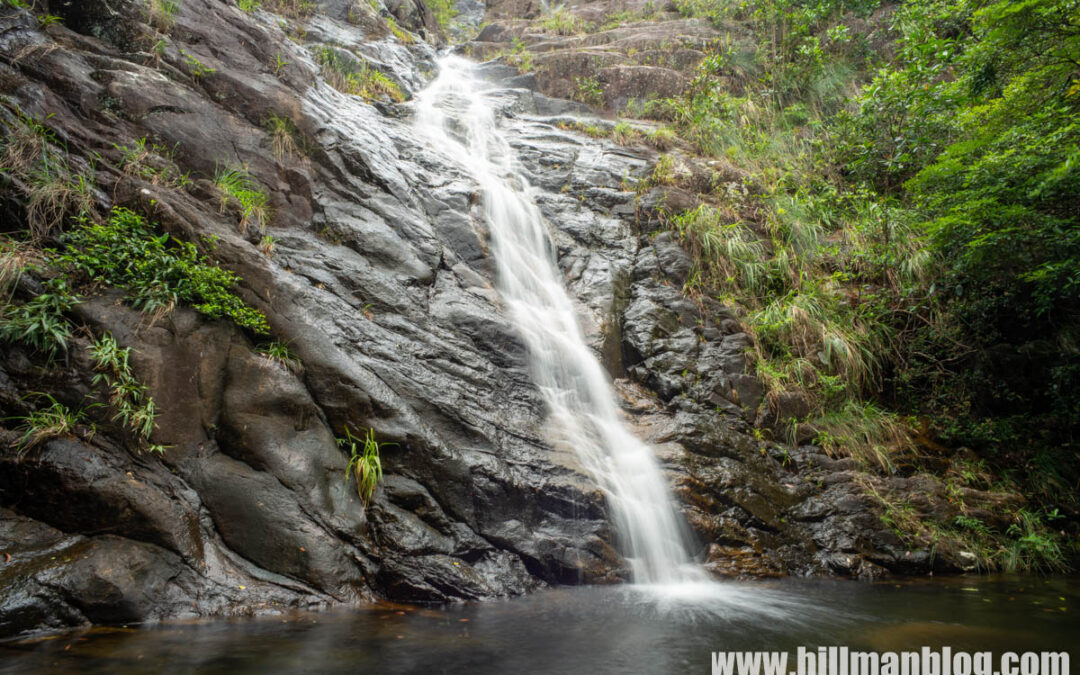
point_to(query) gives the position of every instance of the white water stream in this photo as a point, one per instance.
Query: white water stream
(455, 116)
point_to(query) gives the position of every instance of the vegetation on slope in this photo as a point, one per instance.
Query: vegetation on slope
(891, 202)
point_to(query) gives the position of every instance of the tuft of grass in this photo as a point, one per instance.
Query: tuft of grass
(54, 192)
(32, 154)
(358, 77)
(591, 130)
(285, 138)
(279, 352)
(238, 188)
(151, 162)
(663, 138)
(365, 465)
(26, 141)
(663, 172)
(624, 134)
(267, 245)
(560, 21)
(279, 65)
(161, 14)
(400, 33)
(53, 421)
(16, 257)
(870, 435)
(248, 5)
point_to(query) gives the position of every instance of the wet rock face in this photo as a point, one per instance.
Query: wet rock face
(381, 283)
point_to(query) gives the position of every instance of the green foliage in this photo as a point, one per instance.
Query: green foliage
(161, 14)
(364, 466)
(157, 272)
(444, 11)
(560, 21)
(589, 91)
(279, 352)
(54, 421)
(520, 57)
(196, 68)
(975, 128)
(1034, 547)
(279, 64)
(350, 75)
(151, 162)
(397, 31)
(239, 189)
(52, 188)
(39, 323)
(285, 138)
(248, 5)
(135, 410)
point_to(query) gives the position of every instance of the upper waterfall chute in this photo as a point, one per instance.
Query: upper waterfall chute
(454, 115)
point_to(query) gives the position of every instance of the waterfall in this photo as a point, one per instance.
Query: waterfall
(454, 115)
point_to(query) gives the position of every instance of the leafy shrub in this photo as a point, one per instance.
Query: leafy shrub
(40, 323)
(589, 91)
(158, 272)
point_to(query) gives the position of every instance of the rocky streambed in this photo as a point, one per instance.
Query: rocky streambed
(380, 281)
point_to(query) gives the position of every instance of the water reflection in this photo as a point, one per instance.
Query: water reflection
(586, 630)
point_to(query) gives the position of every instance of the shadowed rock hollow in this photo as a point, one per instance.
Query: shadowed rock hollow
(381, 283)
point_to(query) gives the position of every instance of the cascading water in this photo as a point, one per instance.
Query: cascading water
(453, 114)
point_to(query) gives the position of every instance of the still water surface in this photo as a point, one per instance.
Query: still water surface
(595, 630)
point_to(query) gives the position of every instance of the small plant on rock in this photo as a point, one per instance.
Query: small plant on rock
(267, 245)
(351, 76)
(135, 410)
(53, 421)
(284, 137)
(238, 187)
(364, 463)
(560, 21)
(196, 68)
(279, 352)
(40, 323)
(161, 14)
(589, 91)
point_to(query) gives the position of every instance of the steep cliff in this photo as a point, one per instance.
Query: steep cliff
(369, 260)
